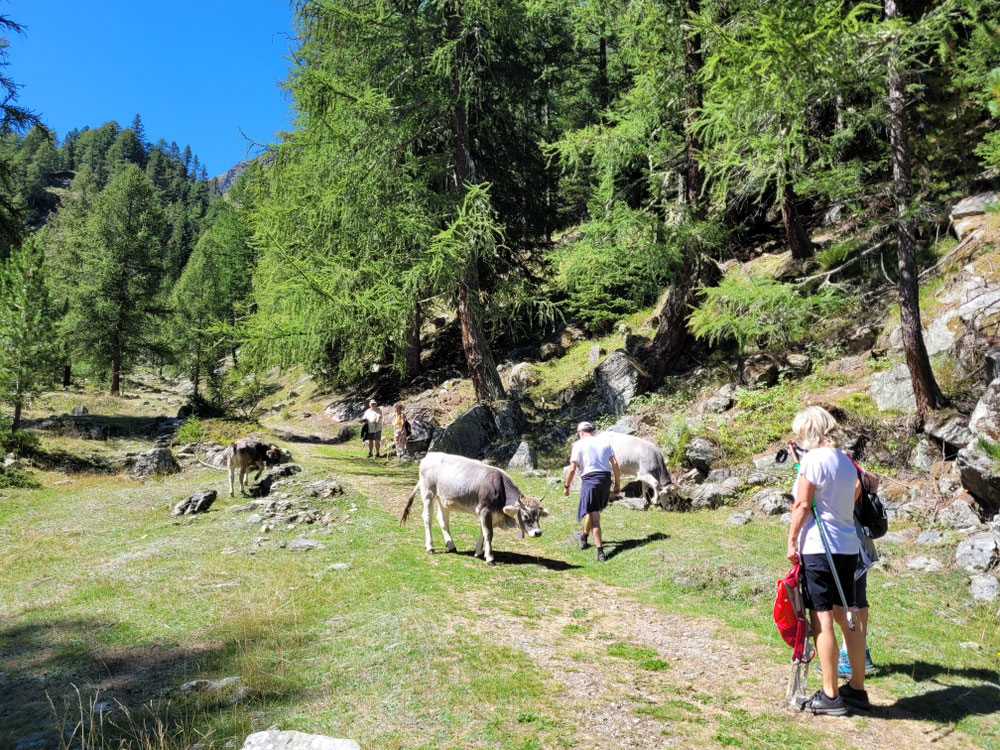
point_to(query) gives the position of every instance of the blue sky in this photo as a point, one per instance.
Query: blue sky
(195, 70)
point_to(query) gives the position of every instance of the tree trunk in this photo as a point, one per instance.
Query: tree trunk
(16, 422)
(672, 336)
(412, 357)
(603, 94)
(478, 355)
(196, 375)
(67, 375)
(917, 362)
(116, 375)
(798, 241)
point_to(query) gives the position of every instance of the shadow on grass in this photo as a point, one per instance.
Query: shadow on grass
(516, 558)
(42, 664)
(947, 703)
(613, 549)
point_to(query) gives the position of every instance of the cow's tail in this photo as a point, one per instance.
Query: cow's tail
(409, 503)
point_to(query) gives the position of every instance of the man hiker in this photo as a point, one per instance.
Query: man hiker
(595, 459)
(373, 418)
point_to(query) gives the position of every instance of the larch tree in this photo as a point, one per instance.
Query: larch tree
(925, 388)
(114, 308)
(28, 348)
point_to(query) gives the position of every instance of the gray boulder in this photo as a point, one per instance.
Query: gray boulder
(619, 379)
(154, 462)
(524, 457)
(508, 419)
(772, 501)
(324, 488)
(198, 503)
(769, 463)
(595, 354)
(892, 390)
(930, 538)
(739, 519)
(718, 404)
(925, 454)
(633, 502)
(984, 588)
(549, 351)
(949, 428)
(958, 515)
(469, 434)
(78, 411)
(701, 454)
(522, 376)
(707, 496)
(991, 362)
(985, 418)
(303, 544)
(346, 410)
(759, 371)
(798, 364)
(925, 564)
(980, 476)
(274, 739)
(570, 335)
(627, 425)
(978, 553)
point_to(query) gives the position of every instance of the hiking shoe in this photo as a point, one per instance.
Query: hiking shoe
(843, 666)
(855, 698)
(580, 538)
(600, 555)
(823, 704)
(869, 666)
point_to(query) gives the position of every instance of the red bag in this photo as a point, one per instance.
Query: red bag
(790, 615)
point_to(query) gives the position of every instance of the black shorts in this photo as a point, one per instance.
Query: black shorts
(821, 589)
(861, 590)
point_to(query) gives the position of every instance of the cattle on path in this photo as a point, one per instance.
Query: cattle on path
(470, 486)
(642, 459)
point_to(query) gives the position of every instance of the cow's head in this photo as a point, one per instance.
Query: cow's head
(273, 454)
(666, 496)
(526, 513)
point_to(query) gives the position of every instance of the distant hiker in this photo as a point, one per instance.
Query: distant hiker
(400, 431)
(373, 420)
(827, 477)
(595, 459)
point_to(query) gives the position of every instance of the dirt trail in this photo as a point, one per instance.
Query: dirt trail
(712, 675)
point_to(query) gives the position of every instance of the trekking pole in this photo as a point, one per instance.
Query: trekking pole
(826, 548)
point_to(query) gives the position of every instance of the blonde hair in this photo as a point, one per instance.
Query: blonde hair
(814, 426)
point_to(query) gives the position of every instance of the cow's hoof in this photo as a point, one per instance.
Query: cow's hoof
(451, 547)
(491, 562)
(430, 551)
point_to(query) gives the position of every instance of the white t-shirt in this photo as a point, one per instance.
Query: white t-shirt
(592, 453)
(374, 419)
(835, 477)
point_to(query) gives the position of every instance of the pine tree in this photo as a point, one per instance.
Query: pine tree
(28, 348)
(114, 308)
(139, 129)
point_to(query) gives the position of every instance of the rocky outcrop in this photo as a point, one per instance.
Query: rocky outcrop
(967, 214)
(347, 410)
(772, 501)
(522, 376)
(701, 454)
(892, 389)
(550, 350)
(619, 379)
(472, 432)
(979, 553)
(949, 428)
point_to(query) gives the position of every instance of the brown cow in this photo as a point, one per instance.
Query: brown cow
(247, 454)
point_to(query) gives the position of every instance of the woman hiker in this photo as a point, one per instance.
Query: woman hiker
(399, 432)
(595, 459)
(827, 477)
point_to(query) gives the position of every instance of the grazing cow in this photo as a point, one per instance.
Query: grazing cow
(462, 484)
(247, 454)
(644, 460)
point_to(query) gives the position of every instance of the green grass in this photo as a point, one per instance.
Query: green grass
(405, 650)
(222, 431)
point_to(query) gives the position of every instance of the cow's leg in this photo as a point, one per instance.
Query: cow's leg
(232, 478)
(443, 520)
(486, 521)
(479, 547)
(243, 479)
(260, 471)
(649, 485)
(427, 496)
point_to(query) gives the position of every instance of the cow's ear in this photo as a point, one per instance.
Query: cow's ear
(512, 510)
(542, 512)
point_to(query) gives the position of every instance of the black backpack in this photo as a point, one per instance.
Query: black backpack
(870, 511)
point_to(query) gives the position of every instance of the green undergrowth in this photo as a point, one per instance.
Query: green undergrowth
(222, 431)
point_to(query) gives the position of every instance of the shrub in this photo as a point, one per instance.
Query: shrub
(761, 312)
(11, 478)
